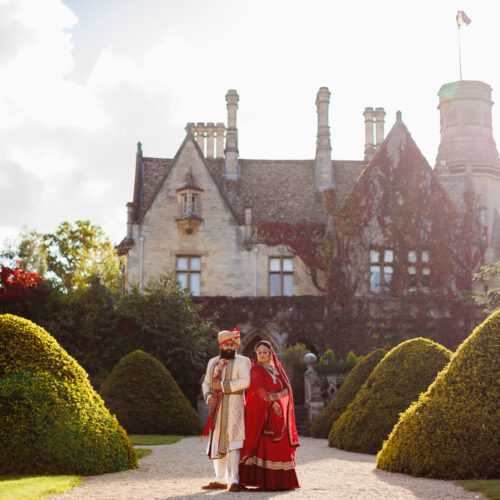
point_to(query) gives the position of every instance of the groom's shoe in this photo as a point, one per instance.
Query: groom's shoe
(214, 486)
(235, 488)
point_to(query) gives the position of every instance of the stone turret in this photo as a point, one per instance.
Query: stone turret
(466, 128)
(323, 171)
(231, 167)
(468, 154)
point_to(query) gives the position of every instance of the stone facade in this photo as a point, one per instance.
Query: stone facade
(205, 206)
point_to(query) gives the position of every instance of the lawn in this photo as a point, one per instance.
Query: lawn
(488, 487)
(141, 452)
(34, 487)
(38, 487)
(153, 439)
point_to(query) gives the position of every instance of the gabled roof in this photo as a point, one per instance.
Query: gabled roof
(277, 190)
(397, 178)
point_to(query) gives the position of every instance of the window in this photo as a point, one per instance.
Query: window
(381, 269)
(419, 271)
(190, 205)
(280, 276)
(188, 271)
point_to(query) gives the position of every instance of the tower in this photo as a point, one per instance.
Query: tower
(468, 152)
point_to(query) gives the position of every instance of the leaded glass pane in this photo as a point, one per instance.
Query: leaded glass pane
(425, 256)
(182, 263)
(388, 273)
(375, 279)
(288, 265)
(288, 284)
(195, 283)
(183, 280)
(374, 256)
(274, 285)
(388, 255)
(195, 264)
(274, 264)
(412, 256)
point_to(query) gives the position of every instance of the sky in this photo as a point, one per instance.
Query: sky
(82, 81)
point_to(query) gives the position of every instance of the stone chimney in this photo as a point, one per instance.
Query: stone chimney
(231, 167)
(210, 140)
(220, 129)
(379, 126)
(323, 170)
(369, 141)
(374, 130)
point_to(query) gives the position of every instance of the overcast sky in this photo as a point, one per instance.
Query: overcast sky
(81, 81)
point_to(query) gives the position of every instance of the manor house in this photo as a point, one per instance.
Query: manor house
(388, 235)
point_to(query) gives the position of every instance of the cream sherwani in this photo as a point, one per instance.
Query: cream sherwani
(229, 433)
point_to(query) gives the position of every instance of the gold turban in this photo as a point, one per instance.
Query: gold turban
(226, 335)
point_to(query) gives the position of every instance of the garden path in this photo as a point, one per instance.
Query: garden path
(179, 470)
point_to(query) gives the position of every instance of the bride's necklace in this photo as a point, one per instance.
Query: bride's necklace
(272, 371)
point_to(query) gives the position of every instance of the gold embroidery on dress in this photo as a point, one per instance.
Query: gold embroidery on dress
(268, 464)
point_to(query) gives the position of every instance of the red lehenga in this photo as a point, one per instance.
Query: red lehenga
(268, 455)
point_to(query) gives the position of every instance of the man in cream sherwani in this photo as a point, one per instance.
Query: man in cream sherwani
(225, 380)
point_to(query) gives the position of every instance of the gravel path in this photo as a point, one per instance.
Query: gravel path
(179, 470)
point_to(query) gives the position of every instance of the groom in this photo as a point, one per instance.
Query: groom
(227, 376)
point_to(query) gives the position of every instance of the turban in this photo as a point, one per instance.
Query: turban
(226, 335)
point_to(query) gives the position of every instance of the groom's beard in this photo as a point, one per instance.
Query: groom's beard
(227, 354)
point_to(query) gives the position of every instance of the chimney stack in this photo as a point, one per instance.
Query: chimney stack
(323, 167)
(379, 126)
(210, 140)
(220, 128)
(369, 145)
(231, 170)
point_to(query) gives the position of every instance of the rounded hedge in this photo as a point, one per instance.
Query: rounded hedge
(146, 399)
(51, 419)
(322, 424)
(453, 430)
(393, 385)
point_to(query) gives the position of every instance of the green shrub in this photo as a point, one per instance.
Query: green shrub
(453, 431)
(51, 419)
(393, 385)
(146, 399)
(322, 424)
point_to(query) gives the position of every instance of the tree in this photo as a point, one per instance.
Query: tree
(70, 257)
(76, 252)
(27, 252)
(163, 321)
(18, 285)
(489, 300)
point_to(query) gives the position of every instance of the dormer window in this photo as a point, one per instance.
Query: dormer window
(190, 204)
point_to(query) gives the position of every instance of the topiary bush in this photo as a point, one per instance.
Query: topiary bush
(51, 419)
(146, 399)
(453, 430)
(322, 424)
(393, 385)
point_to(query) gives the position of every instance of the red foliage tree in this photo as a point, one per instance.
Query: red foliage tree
(17, 284)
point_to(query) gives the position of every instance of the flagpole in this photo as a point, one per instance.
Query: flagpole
(459, 54)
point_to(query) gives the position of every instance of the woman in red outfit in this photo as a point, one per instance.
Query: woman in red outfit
(268, 455)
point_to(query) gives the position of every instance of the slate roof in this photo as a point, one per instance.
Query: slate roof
(277, 190)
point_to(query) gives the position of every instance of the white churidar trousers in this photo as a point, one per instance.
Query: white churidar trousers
(226, 468)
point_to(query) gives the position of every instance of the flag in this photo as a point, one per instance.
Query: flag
(462, 19)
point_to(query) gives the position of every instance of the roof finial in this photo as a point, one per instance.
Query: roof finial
(399, 116)
(139, 148)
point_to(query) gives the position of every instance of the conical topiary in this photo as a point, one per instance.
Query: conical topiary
(393, 385)
(453, 431)
(51, 419)
(322, 424)
(146, 399)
